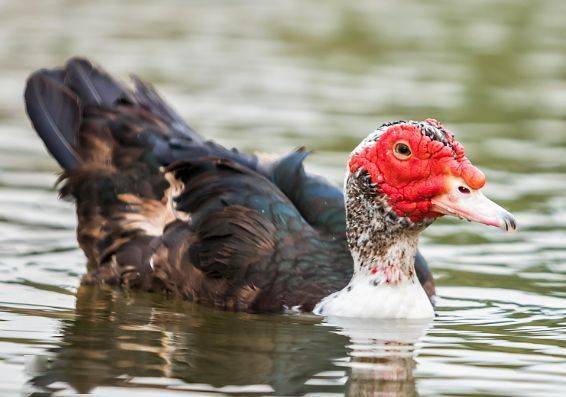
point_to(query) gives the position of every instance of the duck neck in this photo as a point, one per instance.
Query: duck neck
(383, 245)
(385, 261)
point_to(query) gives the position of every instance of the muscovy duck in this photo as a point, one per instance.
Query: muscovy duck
(161, 209)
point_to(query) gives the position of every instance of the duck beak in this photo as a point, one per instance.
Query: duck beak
(467, 203)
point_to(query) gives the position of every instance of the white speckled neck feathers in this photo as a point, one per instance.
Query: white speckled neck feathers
(383, 246)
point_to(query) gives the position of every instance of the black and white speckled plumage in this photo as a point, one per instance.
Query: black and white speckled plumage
(373, 227)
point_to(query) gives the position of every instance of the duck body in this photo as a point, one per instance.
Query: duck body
(162, 209)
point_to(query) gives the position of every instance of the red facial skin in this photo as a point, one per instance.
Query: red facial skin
(410, 184)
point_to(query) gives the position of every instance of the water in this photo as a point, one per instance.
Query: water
(269, 77)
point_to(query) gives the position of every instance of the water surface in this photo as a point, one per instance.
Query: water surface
(271, 77)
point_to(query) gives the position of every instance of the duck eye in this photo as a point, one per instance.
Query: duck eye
(402, 151)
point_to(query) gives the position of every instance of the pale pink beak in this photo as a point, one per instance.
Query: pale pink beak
(467, 203)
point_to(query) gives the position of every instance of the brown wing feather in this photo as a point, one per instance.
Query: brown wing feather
(120, 193)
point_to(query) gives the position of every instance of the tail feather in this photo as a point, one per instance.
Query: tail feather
(57, 99)
(93, 85)
(58, 75)
(147, 96)
(55, 113)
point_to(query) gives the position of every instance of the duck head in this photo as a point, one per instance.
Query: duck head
(400, 179)
(411, 173)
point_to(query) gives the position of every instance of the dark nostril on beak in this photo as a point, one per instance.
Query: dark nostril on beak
(463, 189)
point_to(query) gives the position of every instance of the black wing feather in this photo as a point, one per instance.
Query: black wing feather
(318, 201)
(55, 113)
(92, 85)
(147, 96)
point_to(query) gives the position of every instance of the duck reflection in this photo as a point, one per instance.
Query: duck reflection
(143, 340)
(382, 355)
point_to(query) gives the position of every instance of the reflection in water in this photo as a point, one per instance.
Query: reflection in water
(382, 356)
(118, 340)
